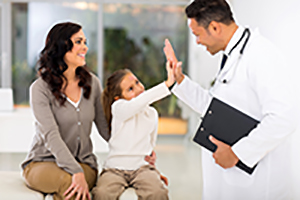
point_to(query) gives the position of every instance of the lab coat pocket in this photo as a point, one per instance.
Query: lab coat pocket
(236, 177)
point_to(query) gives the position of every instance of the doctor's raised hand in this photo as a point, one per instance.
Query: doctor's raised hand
(175, 65)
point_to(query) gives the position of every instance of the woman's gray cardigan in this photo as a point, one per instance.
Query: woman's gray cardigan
(62, 133)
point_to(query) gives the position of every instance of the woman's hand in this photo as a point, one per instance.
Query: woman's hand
(79, 186)
(151, 159)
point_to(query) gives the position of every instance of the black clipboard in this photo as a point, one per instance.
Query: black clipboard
(226, 124)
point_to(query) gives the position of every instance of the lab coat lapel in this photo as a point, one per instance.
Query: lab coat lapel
(227, 72)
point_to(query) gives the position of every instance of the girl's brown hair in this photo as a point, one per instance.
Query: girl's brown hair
(112, 89)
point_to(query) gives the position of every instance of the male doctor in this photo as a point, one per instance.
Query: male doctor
(253, 80)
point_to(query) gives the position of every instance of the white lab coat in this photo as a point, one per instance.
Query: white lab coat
(256, 85)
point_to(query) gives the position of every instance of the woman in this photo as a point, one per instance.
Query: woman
(65, 100)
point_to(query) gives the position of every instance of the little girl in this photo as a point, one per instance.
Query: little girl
(133, 126)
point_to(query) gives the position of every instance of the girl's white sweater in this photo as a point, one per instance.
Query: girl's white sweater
(134, 129)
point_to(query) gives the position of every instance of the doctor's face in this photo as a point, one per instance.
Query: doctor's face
(205, 36)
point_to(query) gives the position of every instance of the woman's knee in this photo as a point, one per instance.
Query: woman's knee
(64, 181)
(46, 177)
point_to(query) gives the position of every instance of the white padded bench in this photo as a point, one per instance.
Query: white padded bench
(12, 187)
(129, 194)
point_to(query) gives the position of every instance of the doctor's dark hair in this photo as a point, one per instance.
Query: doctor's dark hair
(112, 89)
(51, 64)
(206, 11)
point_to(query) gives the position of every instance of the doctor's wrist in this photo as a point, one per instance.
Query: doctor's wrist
(179, 79)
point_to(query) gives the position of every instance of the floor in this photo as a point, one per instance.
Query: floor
(178, 158)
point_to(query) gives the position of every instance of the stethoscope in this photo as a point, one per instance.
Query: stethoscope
(226, 77)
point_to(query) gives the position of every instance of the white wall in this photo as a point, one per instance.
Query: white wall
(279, 21)
(17, 132)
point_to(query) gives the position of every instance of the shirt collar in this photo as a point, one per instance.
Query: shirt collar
(234, 39)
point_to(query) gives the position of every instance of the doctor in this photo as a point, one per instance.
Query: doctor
(253, 80)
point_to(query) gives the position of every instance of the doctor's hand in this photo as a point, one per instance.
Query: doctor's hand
(169, 52)
(175, 65)
(224, 156)
(177, 70)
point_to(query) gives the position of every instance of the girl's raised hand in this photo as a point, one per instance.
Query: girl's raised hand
(171, 79)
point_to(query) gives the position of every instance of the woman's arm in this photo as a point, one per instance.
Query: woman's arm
(100, 120)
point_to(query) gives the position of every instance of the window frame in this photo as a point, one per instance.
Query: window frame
(5, 49)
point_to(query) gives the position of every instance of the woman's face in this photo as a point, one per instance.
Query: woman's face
(76, 56)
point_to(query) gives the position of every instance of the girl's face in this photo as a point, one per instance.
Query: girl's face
(76, 56)
(131, 87)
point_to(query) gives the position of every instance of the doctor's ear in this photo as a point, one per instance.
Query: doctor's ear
(214, 27)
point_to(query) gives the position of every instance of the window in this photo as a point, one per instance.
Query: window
(0, 45)
(22, 74)
(31, 23)
(134, 37)
(127, 35)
